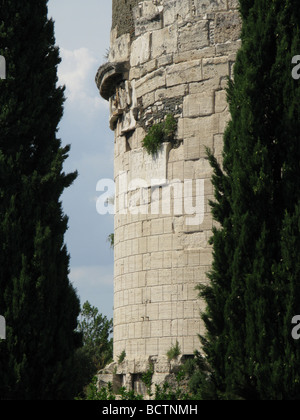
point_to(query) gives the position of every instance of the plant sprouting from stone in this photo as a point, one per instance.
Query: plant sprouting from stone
(122, 357)
(111, 240)
(147, 379)
(160, 133)
(174, 351)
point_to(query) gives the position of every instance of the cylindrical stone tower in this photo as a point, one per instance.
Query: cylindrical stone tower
(166, 57)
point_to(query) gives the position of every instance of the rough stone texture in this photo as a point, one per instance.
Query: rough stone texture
(129, 374)
(122, 16)
(181, 53)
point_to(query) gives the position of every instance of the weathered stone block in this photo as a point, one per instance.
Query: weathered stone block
(193, 36)
(164, 41)
(168, 224)
(141, 364)
(188, 343)
(165, 276)
(156, 294)
(203, 170)
(150, 82)
(165, 311)
(188, 311)
(138, 262)
(215, 67)
(191, 148)
(157, 226)
(165, 243)
(177, 170)
(152, 278)
(229, 47)
(157, 260)
(233, 4)
(146, 327)
(156, 328)
(195, 240)
(152, 346)
(178, 259)
(198, 105)
(184, 56)
(148, 67)
(146, 261)
(220, 101)
(218, 144)
(192, 257)
(147, 17)
(175, 10)
(120, 49)
(140, 50)
(208, 85)
(223, 121)
(153, 243)
(164, 60)
(206, 258)
(227, 27)
(184, 73)
(176, 154)
(168, 258)
(208, 6)
(204, 127)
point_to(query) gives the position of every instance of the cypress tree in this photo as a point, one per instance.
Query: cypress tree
(36, 297)
(253, 294)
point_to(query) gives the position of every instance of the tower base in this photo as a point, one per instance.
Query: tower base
(131, 374)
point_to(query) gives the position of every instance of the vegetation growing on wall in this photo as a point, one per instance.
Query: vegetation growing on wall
(122, 356)
(111, 240)
(160, 133)
(191, 383)
(174, 351)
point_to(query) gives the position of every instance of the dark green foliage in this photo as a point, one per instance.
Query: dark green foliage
(154, 139)
(253, 292)
(111, 240)
(107, 394)
(97, 349)
(96, 329)
(159, 133)
(121, 357)
(164, 392)
(174, 351)
(94, 394)
(39, 303)
(169, 127)
(147, 379)
(200, 378)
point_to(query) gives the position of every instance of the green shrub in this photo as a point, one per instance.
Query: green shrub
(147, 379)
(174, 351)
(122, 357)
(160, 133)
(170, 127)
(154, 139)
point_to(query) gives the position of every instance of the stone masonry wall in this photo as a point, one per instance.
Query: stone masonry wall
(122, 16)
(179, 58)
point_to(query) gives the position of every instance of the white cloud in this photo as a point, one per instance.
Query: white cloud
(94, 284)
(77, 72)
(90, 276)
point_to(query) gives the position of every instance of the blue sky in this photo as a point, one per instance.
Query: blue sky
(82, 30)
